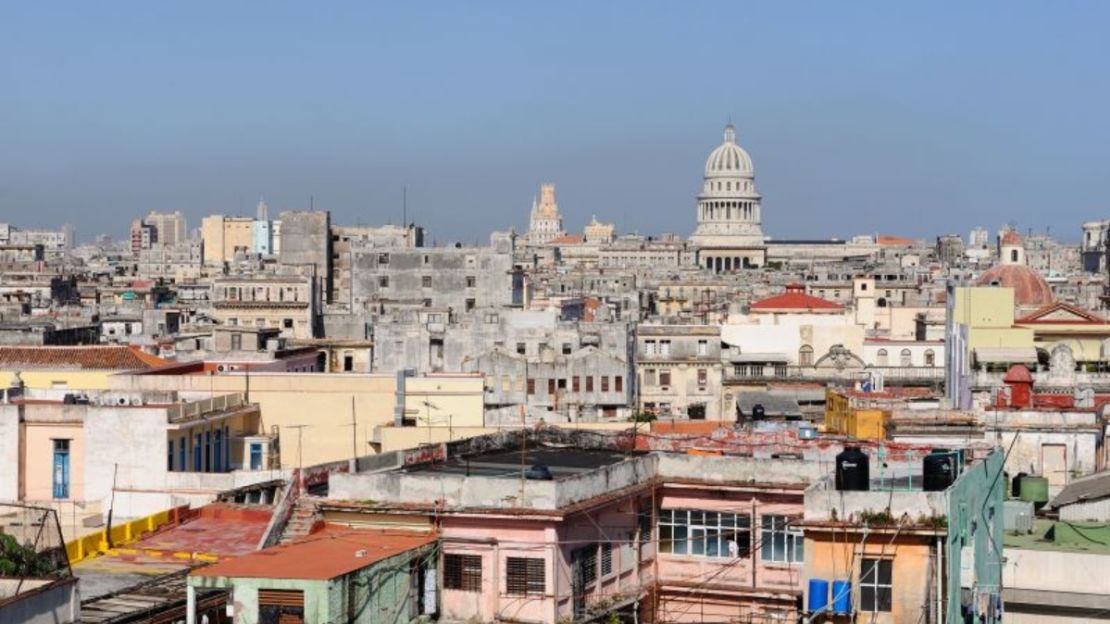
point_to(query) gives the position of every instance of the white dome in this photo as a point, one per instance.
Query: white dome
(729, 159)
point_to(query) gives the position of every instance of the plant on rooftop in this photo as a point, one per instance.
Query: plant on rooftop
(933, 522)
(877, 518)
(17, 560)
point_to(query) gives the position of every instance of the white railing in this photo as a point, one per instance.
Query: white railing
(196, 409)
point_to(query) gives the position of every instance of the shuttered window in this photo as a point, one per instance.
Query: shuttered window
(462, 572)
(524, 576)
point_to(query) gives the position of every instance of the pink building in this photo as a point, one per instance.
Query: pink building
(592, 528)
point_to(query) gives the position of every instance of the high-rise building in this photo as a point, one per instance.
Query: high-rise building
(546, 223)
(169, 227)
(143, 236)
(729, 235)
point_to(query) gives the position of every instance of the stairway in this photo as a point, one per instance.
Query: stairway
(301, 521)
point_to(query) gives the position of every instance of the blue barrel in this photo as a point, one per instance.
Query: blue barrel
(842, 597)
(818, 595)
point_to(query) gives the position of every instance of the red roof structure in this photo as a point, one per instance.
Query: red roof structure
(795, 299)
(79, 357)
(332, 552)
(1030, 288)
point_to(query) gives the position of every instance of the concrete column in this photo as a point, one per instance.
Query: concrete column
(190, 605)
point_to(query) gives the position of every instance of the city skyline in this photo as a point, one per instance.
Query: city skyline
(845, 140)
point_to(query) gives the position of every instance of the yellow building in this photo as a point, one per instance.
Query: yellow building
(79, 368)
(1061, 324)
(861, 415)
(223, 236)
(326, 417)
(988, 313)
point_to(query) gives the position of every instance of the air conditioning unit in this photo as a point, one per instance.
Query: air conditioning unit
(221, 368)
(136, 400)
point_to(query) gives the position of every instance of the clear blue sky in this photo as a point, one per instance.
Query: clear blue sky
(861, 117)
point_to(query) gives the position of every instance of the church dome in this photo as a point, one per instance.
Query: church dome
(729, 159)
(1030, 288)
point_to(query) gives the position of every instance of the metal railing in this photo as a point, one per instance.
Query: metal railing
(195, 409)
(751, 372)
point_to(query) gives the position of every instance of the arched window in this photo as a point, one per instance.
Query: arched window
(881, 358)
(930, 358)
(1013, 255)
(906, 358)
(805, 356)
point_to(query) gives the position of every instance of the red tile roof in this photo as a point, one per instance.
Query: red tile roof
(894, 241)
(85, 357)
(795, 298)
(569, 239)
(329, 553)
(1018, 374)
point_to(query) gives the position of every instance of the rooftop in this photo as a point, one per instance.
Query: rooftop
(329, 553)
(83, 358)
(508, 463)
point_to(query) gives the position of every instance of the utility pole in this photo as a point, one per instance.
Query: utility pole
(112, 505)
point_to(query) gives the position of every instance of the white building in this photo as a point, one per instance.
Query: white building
(729, 235)
(546, 223)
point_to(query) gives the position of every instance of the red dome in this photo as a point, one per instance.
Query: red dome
(1030, 289)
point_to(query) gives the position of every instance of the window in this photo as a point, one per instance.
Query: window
(780, 543)
(551, 386)
(875, 584)
(703, 377)
(664, 347)
(287, 323)
(643, 521)
(649, 377)
(462, 572)
(606, 558)
(649, 347)
(469, 304)
(805, 356)
(566, 348)
(383, 281)
(665, 378)
(427, 303)
(524, 576)
(703, 347)
(426, 281)
(471, 281)
(575, 386)
(585, 560)
(604, 383)
(881, 358)
(618, 383)
(531, 387)
(930, 358)
(705, 533)
(521, 348)
(906, 358)
(236, 342)
(383, 258)
(590, 383)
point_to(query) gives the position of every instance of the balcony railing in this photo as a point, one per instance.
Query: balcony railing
(195, 409)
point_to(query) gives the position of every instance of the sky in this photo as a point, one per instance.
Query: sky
(915, 119)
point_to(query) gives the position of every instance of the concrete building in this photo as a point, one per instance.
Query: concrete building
(224, 237)
(679, 370)
(306, 245)
(169, 227)
(286, 302)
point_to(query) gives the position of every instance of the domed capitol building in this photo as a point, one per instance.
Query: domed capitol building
(729, 235)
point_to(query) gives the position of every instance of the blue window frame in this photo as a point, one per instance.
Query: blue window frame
(197, 454)
(218, 456)
(256, 456)
(61, 468)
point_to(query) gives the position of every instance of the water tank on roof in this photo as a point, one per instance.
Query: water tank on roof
(538, 472)
(1015, 485)
(1035, 490)
(842, 597)
(940, 470)
(758, 413)
(818, 595)
(853, 470)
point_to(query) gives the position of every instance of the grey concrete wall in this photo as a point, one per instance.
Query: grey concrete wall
(44, 602)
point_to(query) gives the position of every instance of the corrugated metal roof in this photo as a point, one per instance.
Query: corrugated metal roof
(1084, 489)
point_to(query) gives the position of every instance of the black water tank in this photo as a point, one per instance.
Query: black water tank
(758, 413)
(1015, 487)
(940, 470)
(539, 472)
(853, 470)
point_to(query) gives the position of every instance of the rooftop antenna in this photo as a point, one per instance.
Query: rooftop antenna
(404, 206)
(312, 202)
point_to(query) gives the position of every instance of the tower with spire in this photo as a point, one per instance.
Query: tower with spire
(546, 223)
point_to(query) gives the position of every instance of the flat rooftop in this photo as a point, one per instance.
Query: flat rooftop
(562, 462)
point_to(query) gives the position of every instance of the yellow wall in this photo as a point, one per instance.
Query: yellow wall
(73, 379)
(445, 401)
(832, 559)
(37, 459)
(988, 313)
(1086, 347)
(323, 402)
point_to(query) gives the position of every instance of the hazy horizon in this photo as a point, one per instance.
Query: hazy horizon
(973, 115)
